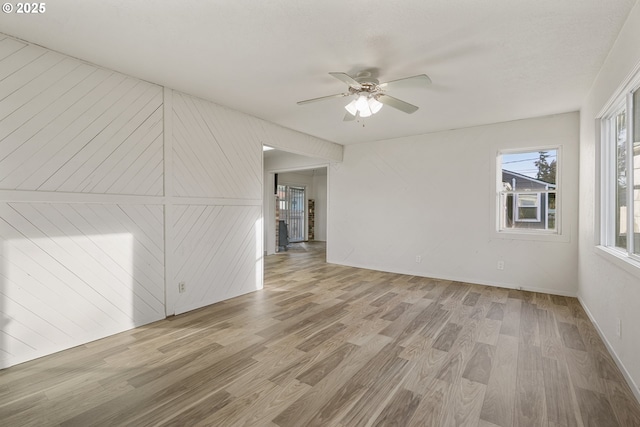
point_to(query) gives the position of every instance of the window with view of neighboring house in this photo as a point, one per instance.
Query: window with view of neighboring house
(620, 204)
(527, 207)
(528, 191)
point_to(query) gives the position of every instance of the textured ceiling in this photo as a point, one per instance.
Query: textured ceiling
(490, 61)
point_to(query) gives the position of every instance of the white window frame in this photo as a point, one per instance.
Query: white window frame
(516, 215)
(532, 233)
(608, 169)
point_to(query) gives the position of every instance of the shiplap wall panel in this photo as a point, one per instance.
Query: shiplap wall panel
(81, 115)
(69, 126)
(90, 125)
(33, 128)
(216, 253)
(215, 153)
(90, 263)
(41, 73)
(18, 54)
(10, 46)
(72, 272)
(148, 246)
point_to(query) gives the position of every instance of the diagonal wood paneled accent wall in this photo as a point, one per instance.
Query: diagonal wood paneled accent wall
(81, 252)
(112, 191)
(212, 158)
(216, 253)
(217, 168)
(71, 272)
(69, 126)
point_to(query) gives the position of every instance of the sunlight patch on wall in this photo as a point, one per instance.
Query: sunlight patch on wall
(55, 290)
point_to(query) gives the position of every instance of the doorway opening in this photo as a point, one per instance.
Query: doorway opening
(295, 194)
(291, 201)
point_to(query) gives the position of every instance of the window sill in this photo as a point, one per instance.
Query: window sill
(620, 259)
(532, 235)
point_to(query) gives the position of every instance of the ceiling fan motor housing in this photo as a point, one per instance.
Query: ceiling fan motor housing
(368, 87)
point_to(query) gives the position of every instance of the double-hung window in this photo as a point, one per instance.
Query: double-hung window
(620, 226)
(528, 191)
(527, 207)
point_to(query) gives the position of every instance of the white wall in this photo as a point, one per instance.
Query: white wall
(112, 191)
(298, 178)
(607, 290)
(434, 196)
(283, 161)
(320, 197)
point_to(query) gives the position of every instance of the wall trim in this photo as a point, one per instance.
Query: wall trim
(170, 292)
(461, 279)
(213, 201)
(634, 387)
(17, 196)
(200, 304)
(300, 168)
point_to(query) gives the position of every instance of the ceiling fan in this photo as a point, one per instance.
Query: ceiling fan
(370, 94)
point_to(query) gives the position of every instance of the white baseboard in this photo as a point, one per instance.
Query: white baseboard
(463, 279)
(200, 304)
(612, 352)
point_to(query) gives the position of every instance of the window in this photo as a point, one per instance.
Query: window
(621, 176)
(528, 190)
(527, 207)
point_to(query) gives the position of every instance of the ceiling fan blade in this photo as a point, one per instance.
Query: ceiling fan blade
(322, 98)
(349, 117)
(347, 79)
(397, 104)
(421, 80)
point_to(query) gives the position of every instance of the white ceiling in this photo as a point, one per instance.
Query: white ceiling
(490, 61)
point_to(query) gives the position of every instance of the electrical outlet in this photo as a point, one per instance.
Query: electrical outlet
(619, 328)
(182, 287)
(418, 259)
(500, 265)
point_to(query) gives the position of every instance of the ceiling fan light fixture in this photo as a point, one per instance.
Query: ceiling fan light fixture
(375, 105)
(365, 112)
(361, 103)
(351, 107)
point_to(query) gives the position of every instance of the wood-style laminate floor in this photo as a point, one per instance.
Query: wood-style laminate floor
(325, 345)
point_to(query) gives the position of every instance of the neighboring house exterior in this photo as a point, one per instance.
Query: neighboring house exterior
(531, 206)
